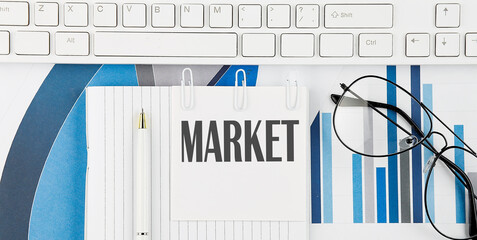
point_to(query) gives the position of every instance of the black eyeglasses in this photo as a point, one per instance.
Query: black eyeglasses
(368, 126)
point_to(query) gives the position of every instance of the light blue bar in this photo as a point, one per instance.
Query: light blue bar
(459, 188)
(381, 194)
(427, 100)
(357, 189)
(327, 169)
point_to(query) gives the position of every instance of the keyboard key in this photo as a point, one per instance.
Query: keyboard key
(307, 16)
(105, 15)
(72, 44)
(134, 15)
(14, 14)
(278, 16)
(258, 45)
(471, 44)
(163, 15)
(447, 45)
(32, 43)
(220, 15)
(76, 14)
(359, 16)
(336, 45)
(376, 45)
(192, 15)
(46, 14)
(417, 45)
(448, 15)
(4, 42)
(250, 16)
(297, 45)
(165, 44)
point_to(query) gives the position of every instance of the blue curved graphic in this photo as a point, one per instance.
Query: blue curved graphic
(43, 184)
(58, 208)
(32, 143)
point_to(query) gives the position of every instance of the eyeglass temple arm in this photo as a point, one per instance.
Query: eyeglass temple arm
(354, 102)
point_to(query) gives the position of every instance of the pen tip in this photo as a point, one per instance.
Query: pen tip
(142, 119)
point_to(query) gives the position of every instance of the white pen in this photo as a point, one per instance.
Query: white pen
(143, 181)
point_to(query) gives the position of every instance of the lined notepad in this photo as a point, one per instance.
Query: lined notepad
(184, 184)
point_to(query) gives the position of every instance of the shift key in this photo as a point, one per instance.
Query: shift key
(14, 13)
(359, 16)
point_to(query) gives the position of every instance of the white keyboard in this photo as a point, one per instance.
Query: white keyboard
(239, 32)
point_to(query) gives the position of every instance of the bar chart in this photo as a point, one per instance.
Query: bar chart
(389, 190)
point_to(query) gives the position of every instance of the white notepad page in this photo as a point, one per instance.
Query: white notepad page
(178, 212)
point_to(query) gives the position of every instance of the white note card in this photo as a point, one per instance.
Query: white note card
(229, 164)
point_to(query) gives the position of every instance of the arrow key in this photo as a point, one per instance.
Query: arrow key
(417, 45)
(447, 45)
(471, 44)
(448, 15)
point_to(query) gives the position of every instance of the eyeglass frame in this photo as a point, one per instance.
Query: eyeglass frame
(438, 155)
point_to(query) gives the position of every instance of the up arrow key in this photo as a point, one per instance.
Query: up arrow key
(448, 15)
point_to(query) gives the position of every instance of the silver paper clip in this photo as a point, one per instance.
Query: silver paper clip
(190, 103)
(243, 101)
(291, 105)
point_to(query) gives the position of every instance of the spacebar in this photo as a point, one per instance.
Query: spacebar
(137, 44)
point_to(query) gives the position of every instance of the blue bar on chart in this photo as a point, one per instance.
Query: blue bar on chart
(357, 189)
(427, 100)
(417, 151)
(327, 169)
(381, 194)
(392, 148)
(459, 188)
(315, 170)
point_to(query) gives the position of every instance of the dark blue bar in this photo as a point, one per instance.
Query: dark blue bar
(392, 148)
(315, 170)
(417, 151)
(381, 193)
(357, 189)
(459, 188)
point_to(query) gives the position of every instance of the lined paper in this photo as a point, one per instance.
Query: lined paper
(112, 119)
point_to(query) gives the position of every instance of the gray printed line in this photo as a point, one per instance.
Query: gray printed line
(369, 206)
(405, 187)
(145, 75)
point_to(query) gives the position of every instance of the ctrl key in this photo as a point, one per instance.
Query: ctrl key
(4, 43)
